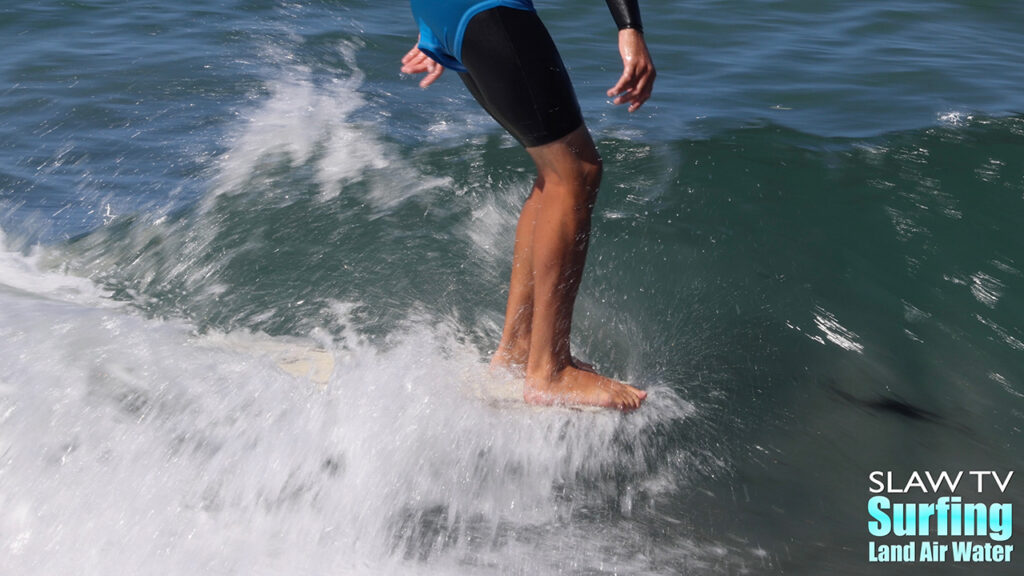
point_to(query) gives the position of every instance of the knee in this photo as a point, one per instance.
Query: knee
(593, 169)
(589, 165)
(590, 170)
(571, 165)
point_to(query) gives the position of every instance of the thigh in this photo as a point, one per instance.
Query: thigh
(517, 75)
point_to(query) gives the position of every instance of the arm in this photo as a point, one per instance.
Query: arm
(416, 62)
(626, 14)
(637, 80)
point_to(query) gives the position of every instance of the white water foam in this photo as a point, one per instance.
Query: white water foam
(135, 446)
(21, 273)
(309, 121)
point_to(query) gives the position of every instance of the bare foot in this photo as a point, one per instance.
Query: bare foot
(585, 366)
(516, 363)
(574, 386)
(503, 360)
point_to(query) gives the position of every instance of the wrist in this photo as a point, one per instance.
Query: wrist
(631, 37)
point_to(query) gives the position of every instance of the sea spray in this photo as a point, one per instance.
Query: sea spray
(174, 444)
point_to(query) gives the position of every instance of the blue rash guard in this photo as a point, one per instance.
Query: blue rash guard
(443, 23)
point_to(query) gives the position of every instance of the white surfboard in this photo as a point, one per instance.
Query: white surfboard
(295, 356)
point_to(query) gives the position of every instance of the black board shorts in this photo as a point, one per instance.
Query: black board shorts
(517, 75)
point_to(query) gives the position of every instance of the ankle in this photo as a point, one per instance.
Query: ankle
(511, 355)
(548, 371)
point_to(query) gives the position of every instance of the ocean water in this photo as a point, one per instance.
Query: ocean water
(806, 248)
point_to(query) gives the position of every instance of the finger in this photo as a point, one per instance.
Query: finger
(623, 84)
(640, 94)
(646, 86)
(636, 102)
(418, 59)
(629, 96)
(633, 98)
(414, 55)
(432, 75)
(417, 64)
(626, 96)
(428, 79)
(408, 62)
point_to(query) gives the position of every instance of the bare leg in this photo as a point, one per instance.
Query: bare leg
(560, 206)
(514, 348)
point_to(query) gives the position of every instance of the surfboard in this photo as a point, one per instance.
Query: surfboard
(297, 357)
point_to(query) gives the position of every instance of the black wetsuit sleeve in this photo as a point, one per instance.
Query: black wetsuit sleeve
(626, 14)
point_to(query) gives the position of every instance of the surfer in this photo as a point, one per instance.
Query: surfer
(507, 60)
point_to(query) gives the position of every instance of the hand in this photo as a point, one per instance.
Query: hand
(416, 62)
(638, 71)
